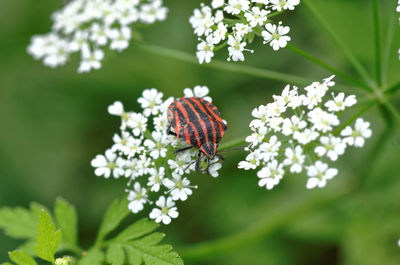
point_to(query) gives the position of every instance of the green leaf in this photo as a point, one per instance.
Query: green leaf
(117, 211)
(6, 263)
(137, 229)
(141, 249)
(21, 258)
(66, 218)
(93, 257)
(20, 223)
(115, 254)
(29, 247)
(48, 239)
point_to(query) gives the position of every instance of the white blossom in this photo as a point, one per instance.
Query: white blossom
(275, 35)
(165, 212)
(237, 23)
(88, 27)
(179, 187)
(156, 178)
(357, 136)
(297, 131)
(150, 101)
(319, 174)
(270, 175)
(107, 164)
(198, 91)
(137, 198)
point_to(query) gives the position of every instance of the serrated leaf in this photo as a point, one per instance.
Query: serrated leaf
(29, 247)
(21, 258)
(145, 250)
(66, 217)
(137, 229)
(117, 211)
(93, 257)
(20, 223)
(48, 239)
(115, 254)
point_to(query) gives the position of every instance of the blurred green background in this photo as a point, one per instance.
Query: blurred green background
(54, 121)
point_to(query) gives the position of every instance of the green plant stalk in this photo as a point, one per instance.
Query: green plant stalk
(267, 225)
(392, 89)
(387, 48)
(221, 65)
(363, 109)
(239, 142)
(329, 68)
(378, 62)
(379, 146)
(340, 44)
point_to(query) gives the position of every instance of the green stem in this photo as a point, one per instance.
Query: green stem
(221, 65)
(393, 88)
(275, 14)
(379, 146)
(377, 43)
(363, 109)
(329, 68)
(387, 48)
(266, 224)
(340, 44)
(239, 142)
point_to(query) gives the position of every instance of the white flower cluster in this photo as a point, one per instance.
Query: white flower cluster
(296, 133)
(88, 26)
(235, 23)
(144, 154)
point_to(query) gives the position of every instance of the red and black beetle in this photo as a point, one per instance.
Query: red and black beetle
(197, 122)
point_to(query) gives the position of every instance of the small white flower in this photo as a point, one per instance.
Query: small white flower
(252, 161)
(180, 163)
(305, 136)
(236, 48)
(278, 5)
(137, 198)
(205, 51)
(214, 167)
(292, 125)
(165, 212)
(257, 16)
(138, 123)
(157, 147)
(295, 159)
(261, 114)
(322, 120)
(156, 178)
(109, 163)
(318, 174)
(119, 38)
(331, 146)
(276, 108)
(150, 101)
(339, 103)
(269, 150)
(241, 30)
(217, 3)
(99, 34)
(202, 21)
(257, 137)
(90, 60)
(180, 188)
(234, 7)
(270, 175)
(150, 13)
(198, 91)
(357, 136)
(275, 35)
(220, 33)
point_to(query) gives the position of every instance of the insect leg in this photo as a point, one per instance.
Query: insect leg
(198, 161)
(170, 132)
(181, 150)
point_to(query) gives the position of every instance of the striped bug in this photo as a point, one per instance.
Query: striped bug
(197, 122)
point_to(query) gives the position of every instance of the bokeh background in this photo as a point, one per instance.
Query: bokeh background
(54, 121)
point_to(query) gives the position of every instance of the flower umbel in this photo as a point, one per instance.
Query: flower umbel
(88, 26)
(236, 23)
(143, 152)
(295, 134)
